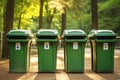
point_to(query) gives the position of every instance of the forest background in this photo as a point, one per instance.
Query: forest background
(78, 14)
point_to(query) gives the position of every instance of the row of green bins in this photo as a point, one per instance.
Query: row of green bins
(47, 40)
(74, 45)
(102, 50)
(19, 47)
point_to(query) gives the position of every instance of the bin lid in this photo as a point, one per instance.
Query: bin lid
(19, 33)
(94, 33)
(74, 33)
(47, 32)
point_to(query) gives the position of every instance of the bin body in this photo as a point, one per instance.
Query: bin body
(47, 49)
(102, 48)
(19, 49)
(74, 45)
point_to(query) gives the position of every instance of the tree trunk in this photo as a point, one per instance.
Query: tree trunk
(50, 18)
(19, 21)
(8, 25)
(63, 20)
(41, 14)
(94, 14)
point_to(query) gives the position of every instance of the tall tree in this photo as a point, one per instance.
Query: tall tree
(8, 25)
(41, 14)
(94, 14)
(63, 15)
(63, 20)
(50, 16)
(2, 10)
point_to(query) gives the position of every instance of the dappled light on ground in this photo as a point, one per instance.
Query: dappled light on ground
(60, 74)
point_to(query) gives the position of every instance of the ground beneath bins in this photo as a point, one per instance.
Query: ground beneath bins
(60, 74)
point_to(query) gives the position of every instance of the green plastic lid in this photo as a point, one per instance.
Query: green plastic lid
(74, 33)
(47, 32)
(19, 33)
(94, 33)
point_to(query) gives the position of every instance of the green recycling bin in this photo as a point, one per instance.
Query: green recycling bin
(19, 48)
(102, 50)
(47, 40)
(74, 46)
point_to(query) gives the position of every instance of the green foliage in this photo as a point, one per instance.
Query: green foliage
(2, 9)
(26, 14)
(78, 15)
(51, 14)
(109, 15)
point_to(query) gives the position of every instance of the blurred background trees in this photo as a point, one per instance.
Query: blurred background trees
(78, 14)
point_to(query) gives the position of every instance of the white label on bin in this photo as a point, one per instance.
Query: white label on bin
(105, 46)
(17, 46)
(46, 45)
(75, 45)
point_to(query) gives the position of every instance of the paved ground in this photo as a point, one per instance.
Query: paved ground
(60, 74)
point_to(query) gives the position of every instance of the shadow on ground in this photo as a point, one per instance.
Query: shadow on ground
(60, 73)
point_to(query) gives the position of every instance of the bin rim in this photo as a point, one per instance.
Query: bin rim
(75, 40)
(47, 40)
(18, 40)
(108, 40)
